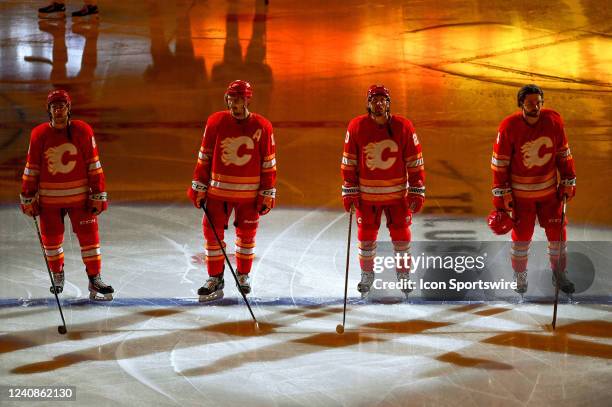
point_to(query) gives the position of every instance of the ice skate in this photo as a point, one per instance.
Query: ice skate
(53, 11)
(98, 290)
(521, 283)
(565, 284)
(364, 286)
(212, 289)
(87, 13)
(58, 282)
(243, 283)
(403, 277)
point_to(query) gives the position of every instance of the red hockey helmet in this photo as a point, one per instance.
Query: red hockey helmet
(239, 88)
(500, 222)
(376, 90)
(58, 95)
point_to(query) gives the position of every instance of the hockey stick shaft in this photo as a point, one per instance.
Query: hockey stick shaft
(558, 271)
(42, 248)
(212, 226)
(348, 257)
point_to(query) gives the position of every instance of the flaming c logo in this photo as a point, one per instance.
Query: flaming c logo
(230, 147)
(374, 153)
(54, 156)
(531, 152)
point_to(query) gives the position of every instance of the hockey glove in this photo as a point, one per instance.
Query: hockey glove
(415, 198)
(29, 206)
(350, 197)
(566, 187)
(97, 203)
(502, 199)
(266, 200)
(197, 193)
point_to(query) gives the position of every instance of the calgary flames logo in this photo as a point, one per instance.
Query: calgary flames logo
(374, 153)
(531, 152)
(230, 147)
(54, 157)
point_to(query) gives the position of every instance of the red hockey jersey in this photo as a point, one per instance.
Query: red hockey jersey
(382, 161)
(526, 158)
(237, 158)
(63, 172)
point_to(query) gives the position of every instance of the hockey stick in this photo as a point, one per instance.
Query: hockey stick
(212, 226)
(61, 328)
(340, 328)
(561, 241)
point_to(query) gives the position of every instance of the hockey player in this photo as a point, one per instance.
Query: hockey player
(235, 172)
(383, 171)
(63, 175)
(530, 149)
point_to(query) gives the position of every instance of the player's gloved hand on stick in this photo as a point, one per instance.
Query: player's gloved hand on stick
(414, 202)
(29, 205)
(502, 199)
(266, 200)
(197, 193)
(566, 187)
(97, 203)
(415, 198)
(350, 197)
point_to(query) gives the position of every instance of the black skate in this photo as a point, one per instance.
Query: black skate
(364, 286)
(98, 290)
(521, 283)
(212, 289)
(565, 284)
(58, 283)
(52, 11)
(243, 283)
(403, 277)
(87, 13)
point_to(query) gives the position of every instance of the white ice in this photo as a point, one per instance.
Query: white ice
(155, 345)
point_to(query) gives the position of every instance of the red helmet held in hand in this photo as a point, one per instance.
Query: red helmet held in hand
(500, 222)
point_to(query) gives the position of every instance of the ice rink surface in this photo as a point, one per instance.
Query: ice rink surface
(146, 76)
(154, 344)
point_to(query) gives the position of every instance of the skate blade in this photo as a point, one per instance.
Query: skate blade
(57, 290)
(54, 16)
(211, 297)
(245, 291)
(95, 296)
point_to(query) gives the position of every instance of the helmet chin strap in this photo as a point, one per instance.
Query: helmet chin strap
(387, 110)
(387, 114)
(51, 116)
(68, 131)
(387, 119)
(246, 109)
(246, 112)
